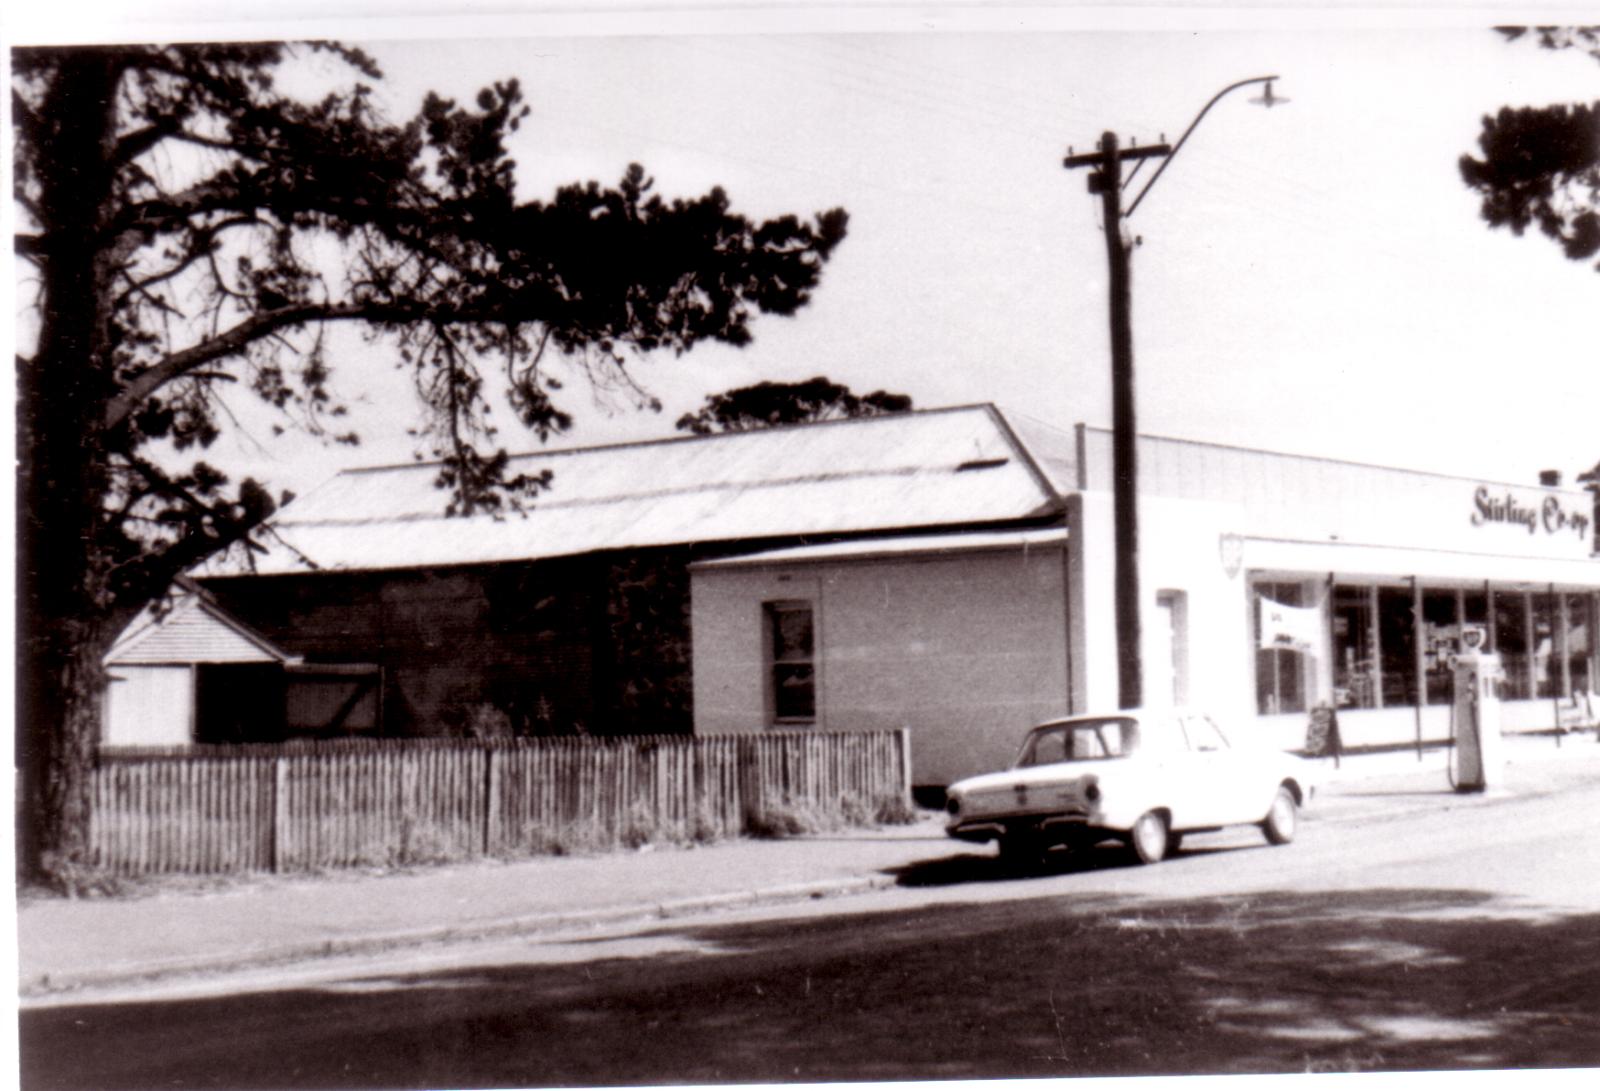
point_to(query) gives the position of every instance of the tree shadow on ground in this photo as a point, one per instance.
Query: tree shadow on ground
(1397, 979)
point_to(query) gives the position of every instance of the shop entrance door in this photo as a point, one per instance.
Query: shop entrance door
(1170, 664)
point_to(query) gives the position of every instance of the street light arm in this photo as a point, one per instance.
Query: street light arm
(1176, 148)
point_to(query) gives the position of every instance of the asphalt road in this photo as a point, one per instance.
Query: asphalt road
(1462, 938)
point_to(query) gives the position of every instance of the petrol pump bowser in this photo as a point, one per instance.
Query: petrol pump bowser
(1479, 752)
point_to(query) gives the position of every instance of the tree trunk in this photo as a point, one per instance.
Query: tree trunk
(58, 730)
(67, 613)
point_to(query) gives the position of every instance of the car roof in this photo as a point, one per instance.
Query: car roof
(1145, 714)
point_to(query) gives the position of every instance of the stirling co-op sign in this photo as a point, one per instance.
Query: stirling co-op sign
(1547, 514)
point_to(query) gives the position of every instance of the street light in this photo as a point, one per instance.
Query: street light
(1107, 181)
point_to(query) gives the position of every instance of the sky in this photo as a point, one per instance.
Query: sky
(1313, 278)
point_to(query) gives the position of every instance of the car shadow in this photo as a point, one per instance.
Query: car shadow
(979, 866)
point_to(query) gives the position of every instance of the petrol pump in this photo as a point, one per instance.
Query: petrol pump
(1475, 717)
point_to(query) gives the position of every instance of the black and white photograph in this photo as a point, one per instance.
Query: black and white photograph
(655, 543)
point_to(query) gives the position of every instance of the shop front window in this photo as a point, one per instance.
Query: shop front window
(1354, 657)
(1285, 638)
(1580, 643)
(1475, 610)
(1511, 643)
(1397, 644)
(1546, 643)
(1441, 639)
(1546, 661)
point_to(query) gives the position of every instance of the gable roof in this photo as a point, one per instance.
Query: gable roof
(927, 469)
(191, 628)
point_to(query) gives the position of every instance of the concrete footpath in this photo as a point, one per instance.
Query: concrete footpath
(263, 920)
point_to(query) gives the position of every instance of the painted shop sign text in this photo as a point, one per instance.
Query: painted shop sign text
(1490, 507)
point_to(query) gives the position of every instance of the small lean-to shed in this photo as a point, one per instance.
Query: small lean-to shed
(188, 672)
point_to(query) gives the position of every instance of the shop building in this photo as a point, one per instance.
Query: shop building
(949, 571)
(1271, 584)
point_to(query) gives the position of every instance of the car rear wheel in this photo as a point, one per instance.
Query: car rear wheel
(1281, 820)
(1149, 838)
(1019, 852)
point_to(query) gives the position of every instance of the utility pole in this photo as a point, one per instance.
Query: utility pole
(1107, 182)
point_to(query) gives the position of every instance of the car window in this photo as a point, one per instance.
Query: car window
(1088, 742)
(1085, 740)
(1204, 735)
(1163, 733)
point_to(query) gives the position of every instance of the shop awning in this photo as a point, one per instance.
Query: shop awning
(1277, 555)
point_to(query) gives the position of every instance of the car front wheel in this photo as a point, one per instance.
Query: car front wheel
(1149, 838)
(1281, 820)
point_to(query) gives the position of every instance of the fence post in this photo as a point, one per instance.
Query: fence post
(491, 798)
(905, 763)
(749, 782)
(280, 811)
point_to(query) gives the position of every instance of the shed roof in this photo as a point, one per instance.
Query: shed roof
(935, 468)
(192, 628)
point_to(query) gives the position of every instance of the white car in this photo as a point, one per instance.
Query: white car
(1141, 777)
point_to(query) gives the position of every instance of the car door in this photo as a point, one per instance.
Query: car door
(1170, 772)
(1223, 793)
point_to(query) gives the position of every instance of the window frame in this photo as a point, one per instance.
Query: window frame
(772, 611)
(1283, 678)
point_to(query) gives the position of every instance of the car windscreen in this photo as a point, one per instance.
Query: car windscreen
(1081, 740)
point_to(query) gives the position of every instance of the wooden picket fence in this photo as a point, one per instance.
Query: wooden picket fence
(301, 806)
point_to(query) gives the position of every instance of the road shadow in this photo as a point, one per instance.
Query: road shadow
(1379, 980)
(1427, 793)
(984, 866)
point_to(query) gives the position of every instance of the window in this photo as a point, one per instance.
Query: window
(1441, 639)
(1397, 645)
(1580, 651)
(1092, 740)
(791, 671)
(1543, 642)
(1204, 735)
(1546, 664)
(1475, 610)
(1355, 660)
(1281, 671)
(1511, 642)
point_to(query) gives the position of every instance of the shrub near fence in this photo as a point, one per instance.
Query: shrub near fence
(300, 806)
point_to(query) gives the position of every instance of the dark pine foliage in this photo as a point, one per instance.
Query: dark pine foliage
(1540, 165)
(187, 226)
(766, 405)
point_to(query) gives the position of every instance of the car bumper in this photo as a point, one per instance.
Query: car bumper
(1051, 827)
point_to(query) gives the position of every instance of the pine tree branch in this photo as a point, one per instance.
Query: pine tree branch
(265, 324)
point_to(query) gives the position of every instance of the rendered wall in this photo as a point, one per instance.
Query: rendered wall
(1179, 550)
(1293, 497)
(149, 706)
(967, 650)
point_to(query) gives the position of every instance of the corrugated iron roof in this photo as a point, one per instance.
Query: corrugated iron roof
(905, 545)
(932, 468)
(1055, 451)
